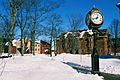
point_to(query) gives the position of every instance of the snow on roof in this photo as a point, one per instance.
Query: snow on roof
(82, 33)
(37, 41)
(67, 34)
(14, 42)
(6, 44)
(90, 32)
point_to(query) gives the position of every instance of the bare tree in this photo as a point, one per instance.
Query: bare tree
(75, 22)
(114, 29)
(41, 8)
(4, 26)
(38, 13)
(14, 7)
(54, 26)
(1, 40)
(4, 31)
(22, 20)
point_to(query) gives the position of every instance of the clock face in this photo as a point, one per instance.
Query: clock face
(96, 18)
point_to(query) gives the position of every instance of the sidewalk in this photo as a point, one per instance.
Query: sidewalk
(36, 68)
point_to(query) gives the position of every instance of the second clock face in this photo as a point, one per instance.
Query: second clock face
(96, 18)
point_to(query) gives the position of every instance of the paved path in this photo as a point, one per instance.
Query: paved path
(36, 68)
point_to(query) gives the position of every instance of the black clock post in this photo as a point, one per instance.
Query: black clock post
(94, 20)
(94, 55)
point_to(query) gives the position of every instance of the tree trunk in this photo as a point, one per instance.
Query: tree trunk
(1, 46)
(115, 47)
(35, 23)
(51, 47)
(13, 13)
(33, 46)
(51, 42)
(21, 43)
(25, 45)
(55, 46)
(11, 34)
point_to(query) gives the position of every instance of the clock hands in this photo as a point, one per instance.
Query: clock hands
(96, 18)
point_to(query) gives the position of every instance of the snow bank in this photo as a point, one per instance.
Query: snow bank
(110, 66)
(41, 67)
(106, 65)
(89, 77)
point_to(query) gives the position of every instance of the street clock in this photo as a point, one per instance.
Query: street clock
(94, 19)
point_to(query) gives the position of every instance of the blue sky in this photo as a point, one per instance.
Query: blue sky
(69, 7)
(107, 7)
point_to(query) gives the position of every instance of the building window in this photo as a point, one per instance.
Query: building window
(35, 49)
(90, 45)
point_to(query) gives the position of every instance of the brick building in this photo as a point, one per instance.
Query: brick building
(42, 47)
(6, 44)
(16, 45)
(26, 44)
(82, 42)
(117, 45)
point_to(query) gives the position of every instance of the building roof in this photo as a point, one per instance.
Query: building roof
(13, 42)
(81, 33)
(44, 42)
(37, 42)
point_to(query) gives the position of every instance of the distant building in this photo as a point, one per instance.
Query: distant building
(117, 45)
(38, 47)
(14, 48)
(82, 42)
(42, 47)
(26, 42)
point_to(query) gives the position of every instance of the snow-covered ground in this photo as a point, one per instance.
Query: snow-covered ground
(42, 67)
(106, 65)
